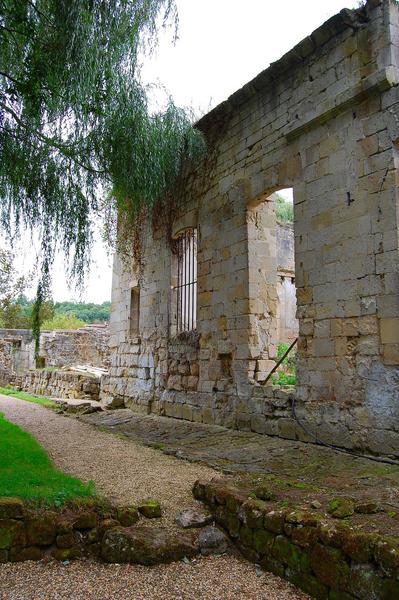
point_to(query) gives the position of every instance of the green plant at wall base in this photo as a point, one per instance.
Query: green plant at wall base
(283, 379)
(282, 348)
(41, 400)
(27, 472)
(286, 374)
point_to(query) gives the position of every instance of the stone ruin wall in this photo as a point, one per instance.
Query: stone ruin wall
(59, 384)
(88, 345)
(16, 353)
(324, 121)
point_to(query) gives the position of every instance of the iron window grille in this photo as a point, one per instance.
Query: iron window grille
(186, 289)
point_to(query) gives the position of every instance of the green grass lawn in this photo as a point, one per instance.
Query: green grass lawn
(42, 400)
(27, 472)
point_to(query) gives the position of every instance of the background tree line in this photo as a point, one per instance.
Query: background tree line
(16, 310)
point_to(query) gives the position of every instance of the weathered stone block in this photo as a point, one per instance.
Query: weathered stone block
(330, 567)
(11, 508)
(12, 533)
(146, 546)
(289, 554)
(41, 530)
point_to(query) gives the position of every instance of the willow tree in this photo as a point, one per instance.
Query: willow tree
(75, 125)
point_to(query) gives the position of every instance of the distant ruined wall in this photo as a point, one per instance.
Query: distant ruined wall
(287, 323)
(16, 353)
(89, 345)
(324, 121)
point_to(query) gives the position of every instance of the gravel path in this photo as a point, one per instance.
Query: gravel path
(127, 472)
(123, 470)
(213, 578)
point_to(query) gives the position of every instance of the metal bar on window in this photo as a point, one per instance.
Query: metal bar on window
(186, 246)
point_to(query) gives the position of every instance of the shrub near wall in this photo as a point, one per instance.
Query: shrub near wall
(327, 560)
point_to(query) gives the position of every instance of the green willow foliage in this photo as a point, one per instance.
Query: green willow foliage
(75, 125)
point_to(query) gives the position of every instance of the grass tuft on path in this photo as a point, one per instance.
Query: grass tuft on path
(27, 472)
(41, 400)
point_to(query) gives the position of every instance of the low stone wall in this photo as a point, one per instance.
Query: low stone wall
(327, 560)
(89, 528)
(60, 384)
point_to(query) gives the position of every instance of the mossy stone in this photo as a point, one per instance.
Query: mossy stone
(359, 546)
(106, 524)
(127, 515)
(246, 536)
(330, 566)
(306, 537)
(364, 582)
(368, 507)
(11, 508)
(272, 566)
(234, 501)
(41, 530)
(86, 520)
(389, 589)
(251, 513)
(386, 554)
(63, 526)
(341, 508)
(232, 524)
(146, 545)
(290, 554)
(151, 509)
(3, 556)
(308, 584)
(263, 541)
(264, 493)
(21, 554)
(199, 490)
(92, 536)
(333, 534)
(249, 553)
(65, 540)
(274, 521)
(11, 533)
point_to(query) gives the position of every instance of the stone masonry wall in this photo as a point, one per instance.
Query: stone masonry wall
(324, 121)
(60, 384)
(88, 345)
(327, 560)
(16, 352)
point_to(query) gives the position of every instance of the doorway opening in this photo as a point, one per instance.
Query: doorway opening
(272, 291)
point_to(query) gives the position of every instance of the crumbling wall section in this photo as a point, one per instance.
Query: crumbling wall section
(88, 345)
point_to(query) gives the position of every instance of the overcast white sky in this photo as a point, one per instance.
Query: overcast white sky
(221, 45)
